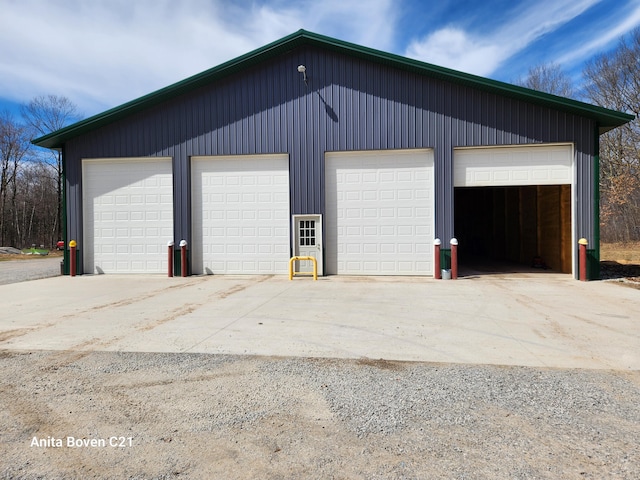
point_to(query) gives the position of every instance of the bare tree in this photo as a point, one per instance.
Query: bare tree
(549, 78)
(35, 206)
(14, 147)
(613, 81)
(46, 114)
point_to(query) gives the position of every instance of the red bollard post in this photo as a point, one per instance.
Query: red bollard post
(72, 258)
(183, 257)
(437, 274)
(170, 258)
(454, 258)
(583, 259)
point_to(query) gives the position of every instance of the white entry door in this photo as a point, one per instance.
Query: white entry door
(308, 241)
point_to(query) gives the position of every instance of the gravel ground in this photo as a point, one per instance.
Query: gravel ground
(216, 416)
(14, 271)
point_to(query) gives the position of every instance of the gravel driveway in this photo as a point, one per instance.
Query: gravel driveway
(13, 271)
(145, 415)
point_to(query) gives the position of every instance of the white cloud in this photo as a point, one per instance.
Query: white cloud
(610, 34)
(454, 48)
(108, 52)
(482, 53)
(101, 53)
(372, 24)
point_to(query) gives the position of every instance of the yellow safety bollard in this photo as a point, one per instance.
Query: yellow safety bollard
(312, 259)
(72, 258)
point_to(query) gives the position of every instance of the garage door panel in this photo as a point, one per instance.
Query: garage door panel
(127, 214)
(240, 210)
(514, 166)
(374, 224)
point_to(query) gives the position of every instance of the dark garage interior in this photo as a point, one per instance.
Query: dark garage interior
(528, 226)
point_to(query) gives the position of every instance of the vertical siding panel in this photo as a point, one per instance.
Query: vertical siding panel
(409, 117)
(473, 121)
(362, 116)
(246, 123)
(334, 131)
(494, 119)
(354, 102)
(401, 112)
(264, 144)
(397, 139)
(457, 134)
(208, 124)
(484, 111)
(283, 117)
(199, 142)
(296, 125)
(352, 95)
(419, 124)
(479, 106)
(411, 111)
(376, 112)
(367, 103)
(308, 157)
(344, 107)
(318, 118)
(383, 120)
(447, 116)
(504, 136)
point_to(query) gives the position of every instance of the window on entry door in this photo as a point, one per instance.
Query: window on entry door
(307, 232)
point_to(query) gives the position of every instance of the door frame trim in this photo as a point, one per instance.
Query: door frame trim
(319, 237)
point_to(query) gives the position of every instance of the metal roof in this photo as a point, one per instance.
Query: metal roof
(605, 119)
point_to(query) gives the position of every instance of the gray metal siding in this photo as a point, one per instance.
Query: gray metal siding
(349, 104)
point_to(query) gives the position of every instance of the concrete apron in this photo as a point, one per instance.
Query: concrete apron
(545, 320)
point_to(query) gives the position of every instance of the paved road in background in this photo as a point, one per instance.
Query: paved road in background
(14, 271)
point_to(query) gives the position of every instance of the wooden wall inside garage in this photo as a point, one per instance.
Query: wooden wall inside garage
(554, 225)
(515, 224)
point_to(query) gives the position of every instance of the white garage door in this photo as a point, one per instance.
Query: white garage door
(128, 214)
(513, 166)
(240, 208)
(379, 212)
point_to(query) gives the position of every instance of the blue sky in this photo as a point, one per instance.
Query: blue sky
(102, 53)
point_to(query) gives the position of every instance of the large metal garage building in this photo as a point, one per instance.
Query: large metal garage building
(361, 159)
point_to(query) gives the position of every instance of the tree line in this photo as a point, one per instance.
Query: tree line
(611, 80)
(31, 178)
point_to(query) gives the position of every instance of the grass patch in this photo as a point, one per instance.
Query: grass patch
(624, 253)
(35, 251)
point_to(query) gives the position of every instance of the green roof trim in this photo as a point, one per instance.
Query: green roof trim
(606, 119)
